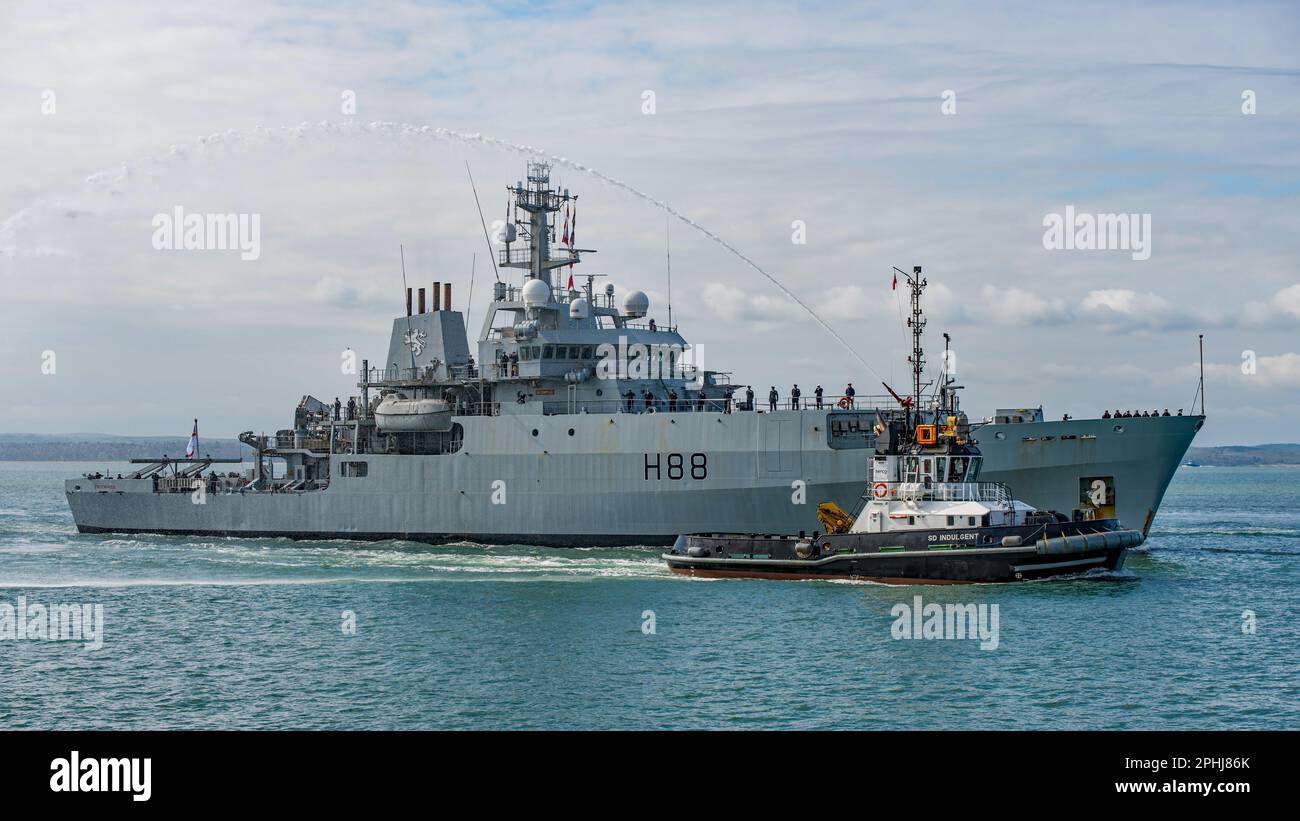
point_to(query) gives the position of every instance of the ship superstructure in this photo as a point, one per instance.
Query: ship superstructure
(927, 515)
(578, 420)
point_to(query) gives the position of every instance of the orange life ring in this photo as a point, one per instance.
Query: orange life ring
(844, 402)
(880, 490)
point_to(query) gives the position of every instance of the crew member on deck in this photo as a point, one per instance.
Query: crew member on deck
(771, 399)
(352, 408)
(338, 406)
(795, 393)
(631, 397)
(1106, 415)
(849, 393)
(749, 398)
(818, 393)
(672, 400)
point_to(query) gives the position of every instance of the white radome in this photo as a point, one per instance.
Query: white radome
(536, 293)
(636, 304)
(579, 309)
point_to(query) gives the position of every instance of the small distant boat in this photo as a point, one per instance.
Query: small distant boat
(1190, 464)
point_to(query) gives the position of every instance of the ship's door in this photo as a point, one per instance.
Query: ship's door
(779, 447)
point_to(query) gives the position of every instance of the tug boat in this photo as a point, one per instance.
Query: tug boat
(925, 517)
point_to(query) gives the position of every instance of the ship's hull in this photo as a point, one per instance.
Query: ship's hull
(627, 479)
(987, 555)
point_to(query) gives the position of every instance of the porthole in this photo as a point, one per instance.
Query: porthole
(570, 431)
(534, 431)
(1119, 428)
(600, 391)
(1000, 435)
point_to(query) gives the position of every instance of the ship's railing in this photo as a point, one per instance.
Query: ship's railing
(299, 442)
(646, 326)
(428, 374)
(829, 402)
(189, 484)
(638, 405)
(971, 492)
(507, 256)
(993, 492)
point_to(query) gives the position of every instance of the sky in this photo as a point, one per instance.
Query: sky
(825, 142)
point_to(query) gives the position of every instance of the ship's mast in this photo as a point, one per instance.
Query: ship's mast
(917, 323)
(538, 201)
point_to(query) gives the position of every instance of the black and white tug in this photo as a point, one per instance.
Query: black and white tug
(925, 517)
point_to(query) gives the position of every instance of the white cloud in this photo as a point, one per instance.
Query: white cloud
(1281, 309)
(765, 113)
(1016, 306)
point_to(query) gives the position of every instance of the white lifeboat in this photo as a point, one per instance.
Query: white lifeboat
(397, 415)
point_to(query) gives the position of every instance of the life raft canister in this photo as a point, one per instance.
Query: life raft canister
(844, 402)
(881, 490)
(927, 434)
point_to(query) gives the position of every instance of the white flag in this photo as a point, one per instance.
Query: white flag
(193, 447)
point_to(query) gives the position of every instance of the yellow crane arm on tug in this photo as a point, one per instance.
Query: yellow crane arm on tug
(833, 518)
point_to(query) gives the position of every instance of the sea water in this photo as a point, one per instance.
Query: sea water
(1201, 629)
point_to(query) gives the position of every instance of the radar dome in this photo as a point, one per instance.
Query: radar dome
(536, 293)
(636, 304)
(579, 309)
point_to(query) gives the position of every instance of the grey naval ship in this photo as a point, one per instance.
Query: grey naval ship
(580, 421)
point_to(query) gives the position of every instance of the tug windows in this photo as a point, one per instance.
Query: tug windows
(354, 470)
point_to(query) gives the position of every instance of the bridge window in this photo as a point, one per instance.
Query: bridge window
(957, 469)
(587, 352)
(548, 352)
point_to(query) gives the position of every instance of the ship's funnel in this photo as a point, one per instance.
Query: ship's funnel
(421, 302)
(437, 296)
(446, 296)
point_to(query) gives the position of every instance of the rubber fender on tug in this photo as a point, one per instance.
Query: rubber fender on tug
(1084, 542)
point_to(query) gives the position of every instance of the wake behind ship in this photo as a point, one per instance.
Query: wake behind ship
(580, 421)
